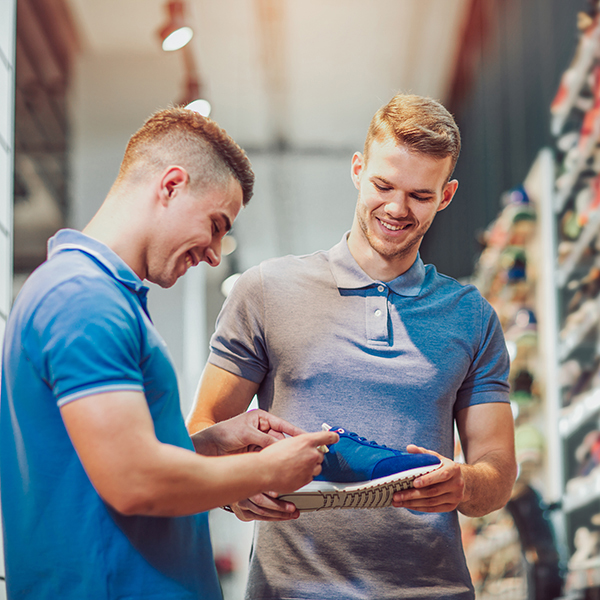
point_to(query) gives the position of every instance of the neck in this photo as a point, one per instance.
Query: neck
(118, 225)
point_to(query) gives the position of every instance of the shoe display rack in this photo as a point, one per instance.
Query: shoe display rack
(512, 552)
(575, 115)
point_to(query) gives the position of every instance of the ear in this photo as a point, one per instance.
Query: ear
(172, 179)
(358, 162)
(448, 193)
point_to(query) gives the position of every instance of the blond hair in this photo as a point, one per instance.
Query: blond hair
(178, 136)
(419, 123)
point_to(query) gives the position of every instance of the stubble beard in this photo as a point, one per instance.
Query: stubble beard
(389, 251)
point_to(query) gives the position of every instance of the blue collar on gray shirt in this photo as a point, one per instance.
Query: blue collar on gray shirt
(348, 274)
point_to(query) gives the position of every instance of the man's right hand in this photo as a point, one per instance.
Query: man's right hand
(265, 507)
(293, 463)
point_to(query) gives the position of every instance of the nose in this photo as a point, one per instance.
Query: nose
(212, 255)
(397, 207)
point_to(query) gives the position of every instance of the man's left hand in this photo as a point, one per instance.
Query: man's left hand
(441, 490)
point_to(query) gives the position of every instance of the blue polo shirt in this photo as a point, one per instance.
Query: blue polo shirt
(392, 361)
(80, 327)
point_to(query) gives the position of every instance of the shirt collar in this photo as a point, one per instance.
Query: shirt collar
(348, 274)
(69, 239)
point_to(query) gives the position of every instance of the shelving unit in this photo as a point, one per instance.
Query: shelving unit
(575, 258)
(510, 555)
(561, 286)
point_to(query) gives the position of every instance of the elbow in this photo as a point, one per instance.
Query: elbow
(505, 489)
(130, 502)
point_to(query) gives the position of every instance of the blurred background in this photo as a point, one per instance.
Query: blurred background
(295, 82)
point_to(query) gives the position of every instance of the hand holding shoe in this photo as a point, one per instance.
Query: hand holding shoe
(439, 491)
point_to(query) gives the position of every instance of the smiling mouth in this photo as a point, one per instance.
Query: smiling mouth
(390, 227)
(190, 260)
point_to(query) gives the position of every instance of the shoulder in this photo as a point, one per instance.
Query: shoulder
(453, 294)
(439, 283)
(68, 290)
(289, 269)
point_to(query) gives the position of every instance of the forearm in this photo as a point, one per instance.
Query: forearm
(176, 482)
(487, 484)
(221, 395)
(199, 420)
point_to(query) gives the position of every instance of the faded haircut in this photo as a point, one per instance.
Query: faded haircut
(182, 137)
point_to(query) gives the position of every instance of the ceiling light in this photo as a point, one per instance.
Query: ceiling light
(228, 284)
(176, 33)
(200, 106)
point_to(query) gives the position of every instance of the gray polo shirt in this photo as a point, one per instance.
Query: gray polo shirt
(393, 362)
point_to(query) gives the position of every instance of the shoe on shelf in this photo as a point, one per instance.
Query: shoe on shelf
(357, 473)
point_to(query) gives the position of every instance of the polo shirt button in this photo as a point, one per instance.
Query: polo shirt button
(377, 313)
(380, 288)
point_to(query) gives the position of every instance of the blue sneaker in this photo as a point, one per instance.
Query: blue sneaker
(357, 473)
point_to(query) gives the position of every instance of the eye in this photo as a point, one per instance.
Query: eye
(419, 198)
(215, 227)
(382, 188)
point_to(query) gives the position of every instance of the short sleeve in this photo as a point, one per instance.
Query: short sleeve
(85, 339)
(239, 342)
(487, 378)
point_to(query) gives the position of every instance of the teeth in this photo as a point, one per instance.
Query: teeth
(392, 228)
(188, 261)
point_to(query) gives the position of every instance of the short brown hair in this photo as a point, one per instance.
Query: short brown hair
(422, 124)
(183, 137)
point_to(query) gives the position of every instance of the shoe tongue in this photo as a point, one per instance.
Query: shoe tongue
(326, 427)
(338, 430)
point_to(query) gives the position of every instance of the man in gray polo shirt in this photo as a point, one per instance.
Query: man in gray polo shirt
(367, 337)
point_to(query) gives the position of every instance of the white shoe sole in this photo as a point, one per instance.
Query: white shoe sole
(376, 493)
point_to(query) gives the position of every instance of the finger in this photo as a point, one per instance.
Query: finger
(438, 504)
(268, 422)
(414, 449)
(250, 516)
(276, 434)
(259, 439)
(263, 507)
(440, 475)
(447, 507)
(270, 501)
(322, 438)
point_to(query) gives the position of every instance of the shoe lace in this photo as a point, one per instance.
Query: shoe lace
(362, 439)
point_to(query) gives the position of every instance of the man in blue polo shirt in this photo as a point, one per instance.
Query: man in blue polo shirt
(102, 492)
(368, 338)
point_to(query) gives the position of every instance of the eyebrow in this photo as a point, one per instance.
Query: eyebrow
(425, 192)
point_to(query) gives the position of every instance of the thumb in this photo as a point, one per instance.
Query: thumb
(260, 439)
(414, 449)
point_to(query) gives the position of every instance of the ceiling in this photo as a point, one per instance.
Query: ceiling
(301, 72)
(301, 77)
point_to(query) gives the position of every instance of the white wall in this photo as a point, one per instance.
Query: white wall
(7, 89)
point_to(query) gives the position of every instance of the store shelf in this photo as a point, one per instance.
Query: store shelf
(585, 491)
(573, 417)
(570, 179)
(588, 50)
(583, 241)
(573, 340)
